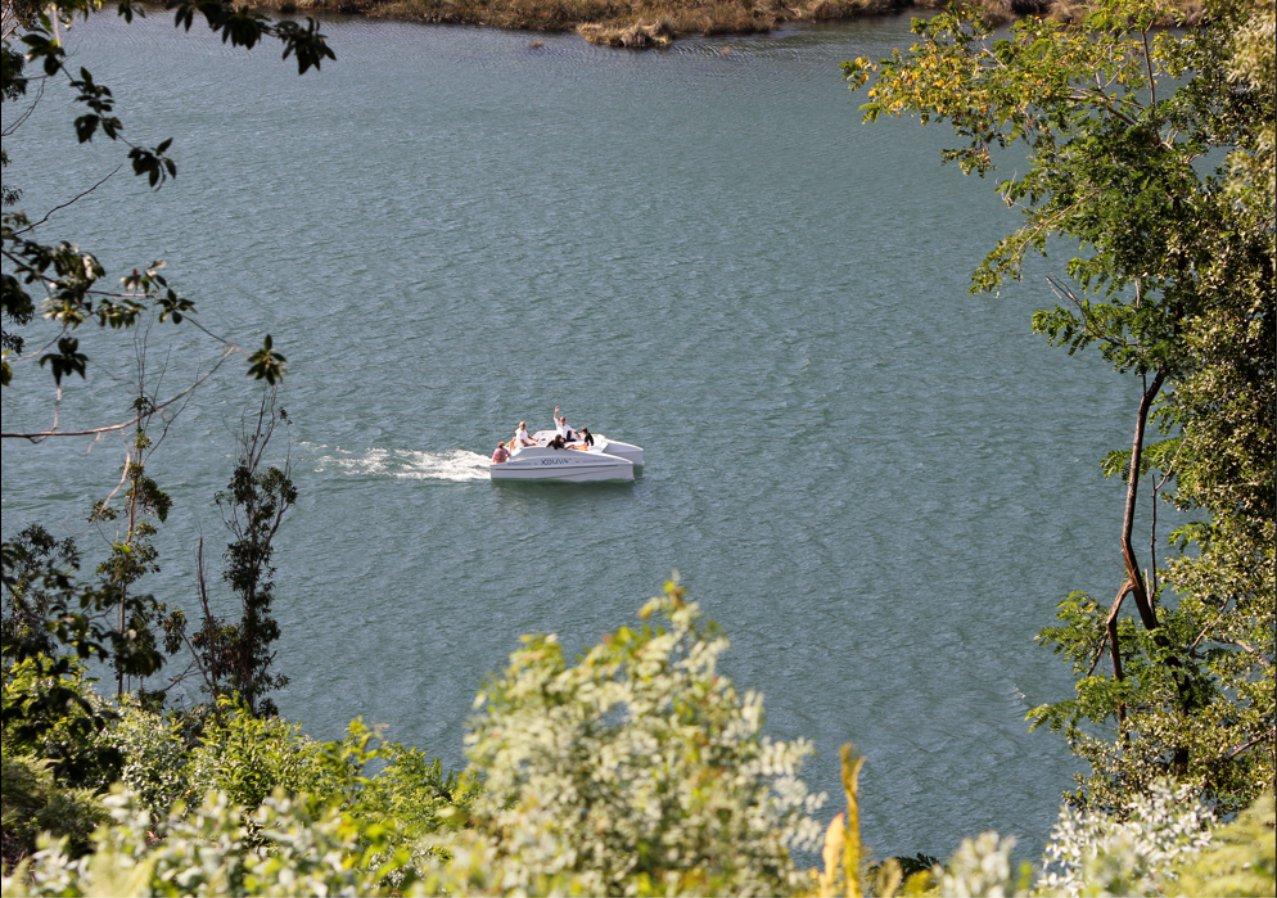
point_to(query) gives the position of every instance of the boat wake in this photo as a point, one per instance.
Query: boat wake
(455, 466)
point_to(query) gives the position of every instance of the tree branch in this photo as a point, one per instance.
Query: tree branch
(1142, 603)
(1148, 63)
(1062, 291)
(75, 199)
(1251, 743)
(42, 435)
(26, 113)
(1109, 627)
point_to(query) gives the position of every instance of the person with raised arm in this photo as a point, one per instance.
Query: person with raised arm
(561, 427)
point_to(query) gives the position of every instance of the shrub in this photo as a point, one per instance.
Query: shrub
(1131, 853)
(1239, 862)
(153, 756)
(301, 852)
(31, 802)
(981, 868)
(247, 759)
(638, 769)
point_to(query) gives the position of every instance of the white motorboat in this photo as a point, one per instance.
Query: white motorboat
(562, 465)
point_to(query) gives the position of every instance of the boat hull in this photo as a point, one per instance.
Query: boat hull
(538, 463)
(628, 451)
(602, 446)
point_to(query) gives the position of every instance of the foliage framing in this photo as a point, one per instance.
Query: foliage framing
(637, 770)
(58, 281)
(1153, 153)
(235, 658)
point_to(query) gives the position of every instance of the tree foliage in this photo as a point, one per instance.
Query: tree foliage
(52, 282)
(59, 620)
(637, 770)
(235, 657)
(305, 852)
(32, 802)
(1151, 153)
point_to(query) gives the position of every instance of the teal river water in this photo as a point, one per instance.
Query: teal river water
(878, 484)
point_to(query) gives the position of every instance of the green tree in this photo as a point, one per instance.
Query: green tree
(1151, 152)
(144, 630)
(236, 657)
(52, 714)
(53, 618)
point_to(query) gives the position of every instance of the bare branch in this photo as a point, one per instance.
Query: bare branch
(1251, 743)
(75, 199)
(1148, 63)
(26, 113)
(1142, 603)
(41, 436)
(1110, 631)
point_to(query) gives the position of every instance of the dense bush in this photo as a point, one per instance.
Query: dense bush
(1131, 853)
(245, 760)
(1239, 862)
(637, 770)
(51, 712)
(31, 802)
(153, 762)
(299, 851)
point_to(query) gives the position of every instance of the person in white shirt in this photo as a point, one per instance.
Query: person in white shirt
(561, 426)
(521, 437)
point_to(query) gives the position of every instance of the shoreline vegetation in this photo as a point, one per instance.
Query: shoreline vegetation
(648, 24)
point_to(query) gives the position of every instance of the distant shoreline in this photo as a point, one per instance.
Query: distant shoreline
(647, 24)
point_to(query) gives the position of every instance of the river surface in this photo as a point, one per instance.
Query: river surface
(878, 484)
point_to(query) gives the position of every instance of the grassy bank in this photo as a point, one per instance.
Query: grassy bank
(640, 24)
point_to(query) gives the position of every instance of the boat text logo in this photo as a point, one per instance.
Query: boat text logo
(555, 461)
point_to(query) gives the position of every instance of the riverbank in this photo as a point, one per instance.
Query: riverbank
(643, 24)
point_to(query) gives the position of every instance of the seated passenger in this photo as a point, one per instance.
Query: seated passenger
(521, 437)
(558, 442)
(561, 426)
(500, 455)
(586, 438)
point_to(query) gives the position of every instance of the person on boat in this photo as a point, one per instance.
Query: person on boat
(558, 442)
(500, 455)
(561, 427)
(521, 437)
(586, 438)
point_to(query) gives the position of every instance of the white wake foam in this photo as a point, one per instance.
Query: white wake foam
(456, 466)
